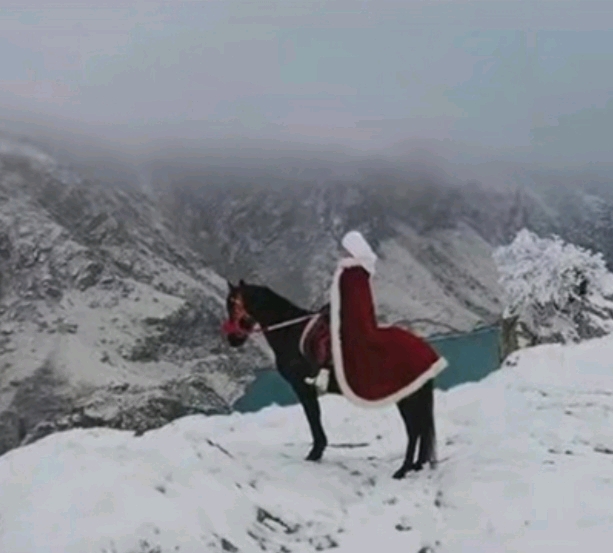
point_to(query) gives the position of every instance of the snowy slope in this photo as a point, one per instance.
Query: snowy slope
(277, 218)
(110, 312)
(446, 276)
(526, 465)
(286, 234)
(106, 318)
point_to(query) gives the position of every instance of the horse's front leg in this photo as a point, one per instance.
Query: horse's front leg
(307, 395)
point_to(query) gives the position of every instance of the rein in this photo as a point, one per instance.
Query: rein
(230, 326)
(264, 329)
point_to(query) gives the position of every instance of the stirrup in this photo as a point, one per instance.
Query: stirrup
(321, 381)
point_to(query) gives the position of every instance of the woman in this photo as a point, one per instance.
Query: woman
(374, 366)
(359, 250)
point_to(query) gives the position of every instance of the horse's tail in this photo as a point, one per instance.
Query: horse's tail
(429, 434)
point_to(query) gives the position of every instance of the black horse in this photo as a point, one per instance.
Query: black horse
(250, 306)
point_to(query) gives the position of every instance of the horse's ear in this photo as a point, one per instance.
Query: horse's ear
(241, 283)
(231, 286)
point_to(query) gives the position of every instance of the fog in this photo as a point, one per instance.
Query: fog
(515, 82)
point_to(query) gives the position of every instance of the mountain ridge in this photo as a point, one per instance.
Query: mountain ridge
(106, 317)
(113, 285)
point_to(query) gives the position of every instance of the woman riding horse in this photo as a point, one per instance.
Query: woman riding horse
(371, 366)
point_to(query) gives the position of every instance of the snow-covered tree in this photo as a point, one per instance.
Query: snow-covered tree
(558, 291)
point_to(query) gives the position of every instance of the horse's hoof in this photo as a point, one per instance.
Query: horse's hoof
(402, 471)
(315, 454)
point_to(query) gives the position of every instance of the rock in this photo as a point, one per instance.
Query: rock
(5, 246)
(41, 430)
(88, 275)
(67, 328)
(42, 397)
(11, 431)
(118, 406)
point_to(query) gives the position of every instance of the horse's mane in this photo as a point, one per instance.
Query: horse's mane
(265, 298)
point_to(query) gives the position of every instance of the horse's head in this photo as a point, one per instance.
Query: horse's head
(240, 322)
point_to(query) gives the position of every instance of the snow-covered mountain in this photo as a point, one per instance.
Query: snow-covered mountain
(282, 226)
(525, 465)
(278, 218)
(106, 318)
(112, 289)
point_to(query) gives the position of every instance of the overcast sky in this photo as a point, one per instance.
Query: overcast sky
(527, 75)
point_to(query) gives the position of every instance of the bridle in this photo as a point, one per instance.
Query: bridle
(241, 323)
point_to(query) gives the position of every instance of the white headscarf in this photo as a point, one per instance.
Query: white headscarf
(357, 246)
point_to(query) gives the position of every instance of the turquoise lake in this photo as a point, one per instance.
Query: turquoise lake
(471, 357)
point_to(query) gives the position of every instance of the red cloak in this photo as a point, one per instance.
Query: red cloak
(374, 366)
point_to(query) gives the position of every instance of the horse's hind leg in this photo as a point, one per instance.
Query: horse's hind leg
(417, 412)
(425, 414)
(407, 410)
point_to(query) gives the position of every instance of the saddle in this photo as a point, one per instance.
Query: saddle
(315, 342)
(316, 347)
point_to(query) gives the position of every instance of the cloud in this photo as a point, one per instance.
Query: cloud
(370, 71)
(583, 136)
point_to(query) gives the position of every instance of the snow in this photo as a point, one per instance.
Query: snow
(526, 465)
(544, 270)
(450, 275)
(542, 280)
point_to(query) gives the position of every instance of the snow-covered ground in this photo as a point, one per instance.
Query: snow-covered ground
(526, 465)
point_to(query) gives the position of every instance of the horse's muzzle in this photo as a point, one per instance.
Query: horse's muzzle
(236, 340)
(234, 333)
